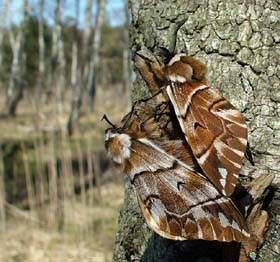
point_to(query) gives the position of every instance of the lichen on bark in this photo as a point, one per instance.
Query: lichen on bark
(239, 42)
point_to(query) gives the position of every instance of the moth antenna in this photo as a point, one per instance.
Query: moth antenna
(108, 121)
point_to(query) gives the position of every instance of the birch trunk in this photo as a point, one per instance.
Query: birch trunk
(41, 42)
(75, 76)
(91, 81)
(238, 42)
(77, 89)
(56, 64)
(16, 83)
(61, 84)
(2, 195)
(86, 38)
(2, 28)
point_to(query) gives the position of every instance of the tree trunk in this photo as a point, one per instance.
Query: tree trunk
(61, 83)
(16, 84)
(86, 40)
(237, 40)
(75, 76)
(56, 74)
(91, 81)
(41, 42)
(2, 30)
(83, 70)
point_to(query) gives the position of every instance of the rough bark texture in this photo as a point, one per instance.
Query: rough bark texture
(239, 42)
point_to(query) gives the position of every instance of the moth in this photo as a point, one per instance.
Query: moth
(183, 154)
(215, 130)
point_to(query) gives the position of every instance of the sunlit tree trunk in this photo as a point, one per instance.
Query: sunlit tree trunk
(82, 75)
(54, 53)
(16, 83)
(56, 76)
(75, 76)
(86, 40)
(2, 29)
(91, 82)
(61, 83)
(239, 42)
(41, 42)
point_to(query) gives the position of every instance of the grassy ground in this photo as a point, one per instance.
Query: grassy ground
(24, 241)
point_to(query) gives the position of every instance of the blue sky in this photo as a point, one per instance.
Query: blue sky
(114, 10)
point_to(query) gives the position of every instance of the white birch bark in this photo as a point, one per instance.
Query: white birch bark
(2, 26)
(41, 42)
(86, 38)
(61, 84)
(83, 69)
(16, 84)
(54, 53)
(75, 76)
(91, 82)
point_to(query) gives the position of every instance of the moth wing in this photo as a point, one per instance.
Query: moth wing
(180, 206)
(215, 130)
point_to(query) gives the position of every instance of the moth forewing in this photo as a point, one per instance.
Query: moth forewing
(215, 130)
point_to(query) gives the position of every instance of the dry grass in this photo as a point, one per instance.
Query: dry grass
(88, 234)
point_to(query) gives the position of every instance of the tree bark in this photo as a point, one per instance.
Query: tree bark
(41, 42)
(79, 69)
(2, 30)
(57, 61)
(238, 41)
(61, 83)
(16, 84)
(91, 81)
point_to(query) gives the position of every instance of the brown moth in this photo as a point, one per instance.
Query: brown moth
(215, 130)
(177, 201)
(178, 198)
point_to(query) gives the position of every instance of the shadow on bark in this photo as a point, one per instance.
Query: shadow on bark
(189, 250)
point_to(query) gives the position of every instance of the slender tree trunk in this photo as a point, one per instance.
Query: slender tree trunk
(55, 68)
(41, 42)
(2, 27)
(79, 70)
(16, 84)
(238, 42)
(91, 82)
(86, 41)
(2, 195)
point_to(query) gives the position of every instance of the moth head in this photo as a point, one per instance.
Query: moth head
(117, 145)
(185, 69)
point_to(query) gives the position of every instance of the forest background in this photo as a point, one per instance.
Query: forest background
(63, 64)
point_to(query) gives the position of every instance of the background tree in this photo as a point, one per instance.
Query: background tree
(238, 41)
(91, 80)
(41, 43)
(18, 67)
